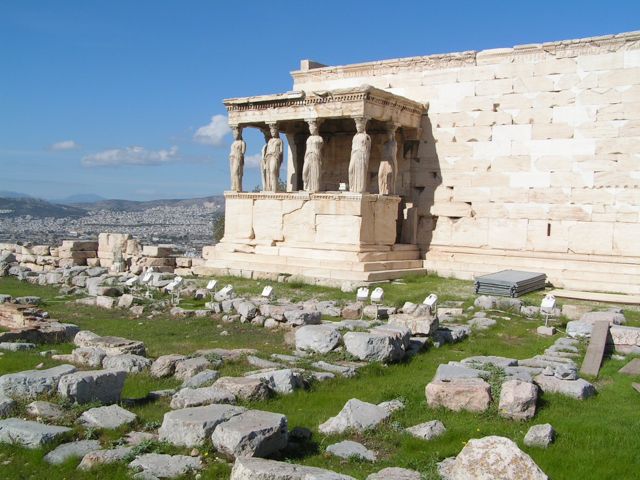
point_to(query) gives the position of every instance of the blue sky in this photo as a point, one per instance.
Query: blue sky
(108, 97)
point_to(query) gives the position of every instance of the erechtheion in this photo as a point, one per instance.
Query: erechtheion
(525, 157)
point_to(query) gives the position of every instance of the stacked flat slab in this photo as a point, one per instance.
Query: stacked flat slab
(527, 160)
(509, 283)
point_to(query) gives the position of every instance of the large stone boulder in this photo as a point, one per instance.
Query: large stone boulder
(249, 468)
(540, 436)
(374, 347)
(191, 427)
(492, 458)
(251, 434)
(348, 449)
(424, 324)
(317, 338)
(111, 345)
(395, 473)
(31, 383)
(104, 457)
(127, 362)
(356, 415)
(103, 386)
(165, 365)
(29, 434)
(578, 329)
(518, 400)
(579, 389)
(188, 367)
(7, 406)
(282, 381)
(471, 394)
(91, 357)
(244, 388)
(110, 417)
(625, 339)
(613, 317)
(302, 317)
(157, 465)
(195, 397)
(72, 449)
(45, 410)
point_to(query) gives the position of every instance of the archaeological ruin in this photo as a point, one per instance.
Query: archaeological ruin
(459, 164)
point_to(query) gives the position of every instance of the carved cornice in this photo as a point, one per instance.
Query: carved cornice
(519, 53)
(336, 196)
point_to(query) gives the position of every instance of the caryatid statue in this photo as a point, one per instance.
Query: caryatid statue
(272, 159)
(236, 159)
(312, 169)
(359, 163)
(388, 164)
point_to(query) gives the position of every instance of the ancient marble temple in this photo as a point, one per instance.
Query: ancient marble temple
(349, 153)
(526, 158)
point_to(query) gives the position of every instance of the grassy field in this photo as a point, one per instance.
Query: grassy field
(597, 438)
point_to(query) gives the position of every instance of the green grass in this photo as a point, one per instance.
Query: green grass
(597, 438)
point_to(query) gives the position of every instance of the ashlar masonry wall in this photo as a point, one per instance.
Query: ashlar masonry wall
(529, 156)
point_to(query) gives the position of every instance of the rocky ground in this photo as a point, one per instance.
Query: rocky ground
(231, 385)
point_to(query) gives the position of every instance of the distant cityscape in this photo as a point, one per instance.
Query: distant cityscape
(187, 224)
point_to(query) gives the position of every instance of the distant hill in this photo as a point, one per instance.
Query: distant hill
(79, 198)
(20, 206)
(9, 194)
(136, 206)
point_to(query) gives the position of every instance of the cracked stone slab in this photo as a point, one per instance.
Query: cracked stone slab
(28, 433)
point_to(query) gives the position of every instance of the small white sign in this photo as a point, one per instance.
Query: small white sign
(377, 296)
(212, 284)
(548, 303)
(267, 292)
(362, 294)
(226, 291)
(431, 300)
(342, 187)
(132, 281)
(147, 277)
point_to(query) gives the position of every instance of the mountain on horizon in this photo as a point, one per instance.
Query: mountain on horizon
(79, 198)
(10, 194)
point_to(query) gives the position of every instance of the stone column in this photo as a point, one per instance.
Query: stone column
(360, 153)
(312, 170)
(236, 158)
(388, 170)
(272, 158)
(263, 166)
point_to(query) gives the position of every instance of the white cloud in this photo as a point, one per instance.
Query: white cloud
(214, 132)
(253, 161)
(64, 145)
(130, 156)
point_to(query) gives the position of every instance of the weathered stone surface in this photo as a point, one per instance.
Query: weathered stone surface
(127, 362)
(427, 430)
(111, 345)
(578, 329)
(418, 324)
(261, 362)
(578, 389)
(72, 449)
(165, 365)
(205, 377)
(614, 318)
(195, 397)
(518, 400)
(486, 302)
(103, 386)
(482, 360)
(348, 449)
(625, 339)
(540, 436)
(395, 473)
(45, 410)
(88, 356)
(248, 468)
(343, 370)
(247, 310)
(374, 347)
(302, 317)
(356, 415)
(244, 388)
(493, 458)
(189, 367)
(16, 346)
(166, 466)
(392, 405)
(190, 427)
(454, 370)
(7, 406)
(471, 394)
(482, 323)
(631, 368)
(104, 457)
(29, 434)
(450, 334)
(30, 383)
(317, 338)
(109, 417)
(352, 311)
(251, 434)
(282, 381)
